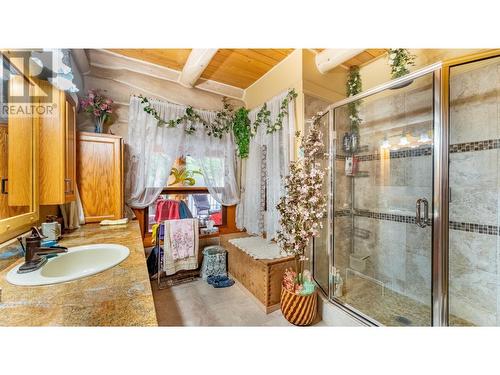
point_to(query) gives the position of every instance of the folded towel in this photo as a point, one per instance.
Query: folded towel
(114, 222)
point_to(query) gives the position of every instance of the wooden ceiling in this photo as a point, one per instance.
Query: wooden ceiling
(364, 57)
(235, 67)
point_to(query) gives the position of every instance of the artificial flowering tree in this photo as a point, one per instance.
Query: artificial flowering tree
(303, 206)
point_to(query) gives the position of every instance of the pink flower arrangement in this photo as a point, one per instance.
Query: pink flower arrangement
(290, 281)
(99, 106)
(303, 207)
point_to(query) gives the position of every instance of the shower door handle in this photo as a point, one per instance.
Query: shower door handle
(422, 223)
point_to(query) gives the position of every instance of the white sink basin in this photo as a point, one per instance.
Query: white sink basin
(78, 262)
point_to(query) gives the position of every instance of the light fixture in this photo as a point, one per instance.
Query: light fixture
(403, 141)
(424, 138)
(385, 144)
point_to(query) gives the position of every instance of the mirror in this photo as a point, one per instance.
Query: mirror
(16, 146)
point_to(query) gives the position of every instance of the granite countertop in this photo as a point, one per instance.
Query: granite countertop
(119, 296)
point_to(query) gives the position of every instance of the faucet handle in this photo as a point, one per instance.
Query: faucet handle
(20, 239)
(35, 234)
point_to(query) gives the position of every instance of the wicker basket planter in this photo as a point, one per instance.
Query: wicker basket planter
(299, 310)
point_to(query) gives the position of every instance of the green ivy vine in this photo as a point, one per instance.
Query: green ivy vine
(354, 87)
(227, 120)
(241, 131)
(399, 59)
(189, 118)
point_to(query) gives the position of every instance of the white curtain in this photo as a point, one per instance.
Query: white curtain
(250, 211)
(217, 160)
(152, 151)
(269, 153)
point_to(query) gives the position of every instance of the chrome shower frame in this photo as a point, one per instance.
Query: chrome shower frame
(440, 195)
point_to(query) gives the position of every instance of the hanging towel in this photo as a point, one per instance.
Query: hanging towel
(182, 238)
(170, 265)
(184, 211)
(167, 210)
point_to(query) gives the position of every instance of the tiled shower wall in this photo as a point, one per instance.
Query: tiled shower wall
(474, 189)
(385, 193)
(386, 190)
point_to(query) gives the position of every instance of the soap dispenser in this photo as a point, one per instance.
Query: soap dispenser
(51, 229)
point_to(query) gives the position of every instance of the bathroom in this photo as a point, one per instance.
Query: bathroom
(323, 191)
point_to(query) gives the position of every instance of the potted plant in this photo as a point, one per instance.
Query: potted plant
(183, 176)
(99, 106)
(301, 210)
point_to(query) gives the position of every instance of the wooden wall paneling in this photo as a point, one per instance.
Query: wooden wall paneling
(120, 84)
(100, 176)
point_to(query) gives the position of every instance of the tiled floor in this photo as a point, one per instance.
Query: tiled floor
(388, 307)
(198, 304)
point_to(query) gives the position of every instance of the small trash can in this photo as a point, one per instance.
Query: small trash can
(214, 262)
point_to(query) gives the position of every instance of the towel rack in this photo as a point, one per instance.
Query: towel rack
(179, 277)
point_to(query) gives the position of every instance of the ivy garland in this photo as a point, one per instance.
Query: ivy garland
(354, 87)
(399, 59)
(223, 120)
(188, 119)
(227, 120)
(242, 130)
(282, 112)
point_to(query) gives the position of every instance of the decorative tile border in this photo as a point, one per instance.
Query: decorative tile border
(380, 216)
(342, 213)
(490, 144)
(476, 228)
(454, 225)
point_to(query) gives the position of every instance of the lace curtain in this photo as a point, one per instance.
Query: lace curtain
(269, 153)
(152, 151)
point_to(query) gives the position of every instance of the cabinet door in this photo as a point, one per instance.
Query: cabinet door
(70, 151)
(20, 156)
(52, 149)
(100, 176)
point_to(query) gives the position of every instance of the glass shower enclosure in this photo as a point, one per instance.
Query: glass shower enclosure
(399, 243)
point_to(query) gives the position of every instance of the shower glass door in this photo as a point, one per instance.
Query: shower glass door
(474, 182)
(383, 196)
(321, 255)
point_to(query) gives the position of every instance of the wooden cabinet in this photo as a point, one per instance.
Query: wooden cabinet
(18, 148)
(100, 176)
(16, 201)
(57, 149)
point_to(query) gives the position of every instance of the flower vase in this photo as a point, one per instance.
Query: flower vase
(297, 309)
(99, 123)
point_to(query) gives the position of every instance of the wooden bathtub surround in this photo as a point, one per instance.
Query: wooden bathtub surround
(100, 176)
(261, 277)
(119, 296)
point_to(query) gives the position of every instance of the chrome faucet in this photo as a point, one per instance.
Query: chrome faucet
(33, 250)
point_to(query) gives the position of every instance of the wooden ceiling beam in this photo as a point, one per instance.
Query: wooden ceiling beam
(197, 62)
